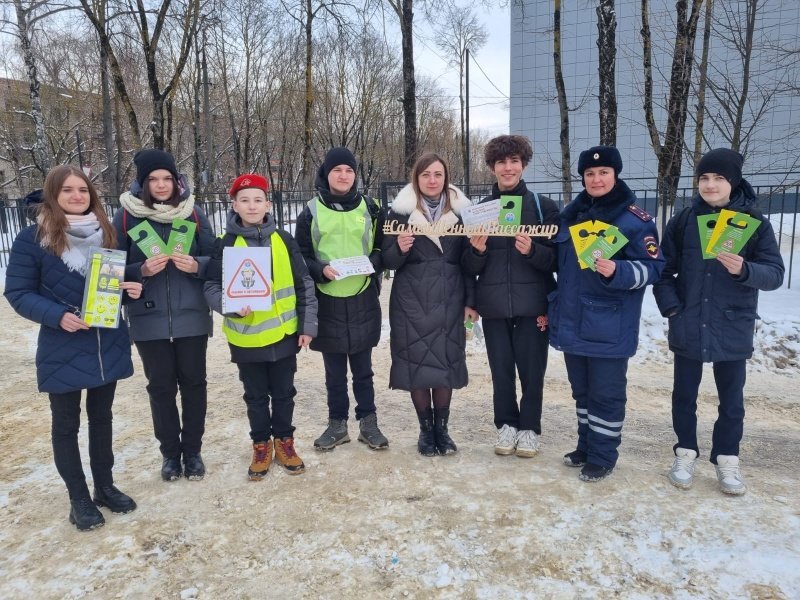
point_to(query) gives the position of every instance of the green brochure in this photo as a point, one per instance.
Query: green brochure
(181, 236)
(102, 294)
(732, 232)
(705, 225)
(510, 210)
(606, 245)
(148, 241)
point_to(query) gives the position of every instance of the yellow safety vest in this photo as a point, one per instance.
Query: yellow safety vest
(265, 327)
(340, 234)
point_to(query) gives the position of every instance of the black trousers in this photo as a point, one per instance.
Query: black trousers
(517, 343)
(66, 412)
(168, 366)
(263, 381)
(336, 384)
(728, 429)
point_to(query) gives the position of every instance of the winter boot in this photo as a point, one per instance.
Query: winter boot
(262, 459)
(171, 468)
(682, 472)
(286, 455)
(335, 434)
(110, 497)
(729, 475)
(84, 514)
(193, 467)
(576, 458)
(592, 472)
(370, 434)
(444, 443)
(427, 439)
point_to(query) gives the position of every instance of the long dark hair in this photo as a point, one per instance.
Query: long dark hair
(53, 220)
(423, 162)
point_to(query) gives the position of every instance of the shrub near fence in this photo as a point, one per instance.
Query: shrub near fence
(781, 203)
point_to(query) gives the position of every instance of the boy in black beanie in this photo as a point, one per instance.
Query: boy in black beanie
(711, 305)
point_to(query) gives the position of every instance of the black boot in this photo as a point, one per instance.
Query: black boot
(193, 467)
(171, 468)
(84, 514)
(444, 443)
(427, 440)
(109, 496)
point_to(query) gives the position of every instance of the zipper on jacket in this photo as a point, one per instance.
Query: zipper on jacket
(73, 309)
(508, 274)
(100, 355)
(169, 301)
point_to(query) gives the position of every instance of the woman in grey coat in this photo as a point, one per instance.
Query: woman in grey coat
(431, 298)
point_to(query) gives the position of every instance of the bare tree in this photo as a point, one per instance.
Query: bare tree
(670, 152)
(607, 60)
(459, 33)
(563, 107)
(701, 87)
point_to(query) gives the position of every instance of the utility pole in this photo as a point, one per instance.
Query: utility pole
(467, 160)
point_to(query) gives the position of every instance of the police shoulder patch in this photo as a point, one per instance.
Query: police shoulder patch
(640, 212)
(650, 246)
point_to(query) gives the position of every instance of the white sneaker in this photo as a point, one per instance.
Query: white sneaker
(506, 440)
(527, 443)
(729, 475)
(682, 472)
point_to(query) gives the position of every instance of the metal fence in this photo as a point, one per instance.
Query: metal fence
(780, 203)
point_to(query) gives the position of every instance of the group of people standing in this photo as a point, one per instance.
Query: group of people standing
(529, 293)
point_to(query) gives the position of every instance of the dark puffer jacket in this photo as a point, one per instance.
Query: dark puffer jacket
(41, 288)
(592, 315)
(712, 313)
(426, 307)
(510, 284)
(352, 324)
(172, 304)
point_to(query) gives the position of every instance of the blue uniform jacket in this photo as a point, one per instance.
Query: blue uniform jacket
(591, 315)
(41, 288)
(712, 313)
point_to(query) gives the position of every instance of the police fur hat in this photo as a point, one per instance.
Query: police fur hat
(600, 156)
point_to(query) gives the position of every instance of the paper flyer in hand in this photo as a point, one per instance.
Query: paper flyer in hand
(181, 236)
(510, 210)
(352, 265)
(102, 294)
(481, 214)
(583, 234)
(705, 226)
(148, 241)
(731, 233)
(607, 244)
(246, 279)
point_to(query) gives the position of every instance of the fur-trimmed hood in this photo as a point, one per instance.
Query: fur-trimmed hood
(406, 200)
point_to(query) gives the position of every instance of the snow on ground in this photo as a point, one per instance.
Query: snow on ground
(397, 525)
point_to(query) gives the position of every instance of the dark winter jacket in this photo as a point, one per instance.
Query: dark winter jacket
(510, 284)
(592, 315)
(172, 304)
(426, 307)
(711, 312)
(303, 288)
(41, 288)
(352, 324)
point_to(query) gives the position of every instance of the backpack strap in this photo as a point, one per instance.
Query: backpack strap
(538, 207)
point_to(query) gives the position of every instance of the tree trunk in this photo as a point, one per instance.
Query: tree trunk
(110, 173)
(747, 54)
(701, 87)
(409, 85)
(309, 105)
(607, 57)
(41, 157)
(563, 108)
(209, 119)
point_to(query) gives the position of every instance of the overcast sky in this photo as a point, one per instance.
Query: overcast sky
(488, 105)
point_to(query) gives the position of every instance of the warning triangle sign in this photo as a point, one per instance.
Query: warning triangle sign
(248, 282)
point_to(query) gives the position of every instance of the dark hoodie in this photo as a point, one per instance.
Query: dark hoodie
(259, 236)
(712, 313)
(346, 325)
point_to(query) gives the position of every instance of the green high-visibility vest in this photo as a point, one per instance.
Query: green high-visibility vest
(265, 327)
(340, 234)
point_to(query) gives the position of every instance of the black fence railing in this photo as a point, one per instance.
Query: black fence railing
(781, 203)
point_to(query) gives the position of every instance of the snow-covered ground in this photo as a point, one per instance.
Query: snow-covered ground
(397, 525)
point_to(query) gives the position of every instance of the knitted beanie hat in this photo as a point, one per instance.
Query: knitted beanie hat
(147, 161)
(338, 156)
(722, 161)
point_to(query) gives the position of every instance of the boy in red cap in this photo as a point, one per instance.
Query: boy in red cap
(264, 343)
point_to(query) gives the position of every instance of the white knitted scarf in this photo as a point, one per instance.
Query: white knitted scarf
(83, 233)
(161, 212)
